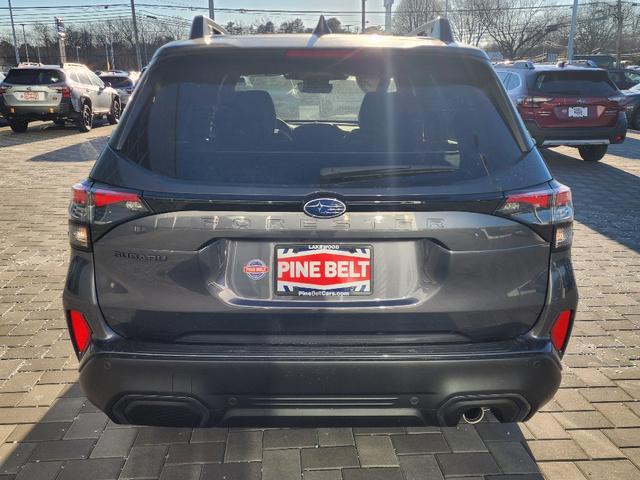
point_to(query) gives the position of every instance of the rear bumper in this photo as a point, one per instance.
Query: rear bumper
(37, 112)
(546, 137)
(198, 386)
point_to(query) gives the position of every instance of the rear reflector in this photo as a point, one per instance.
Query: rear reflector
(80, 330)
(560, 330)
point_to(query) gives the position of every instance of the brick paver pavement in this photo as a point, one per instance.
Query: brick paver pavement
(48, 431)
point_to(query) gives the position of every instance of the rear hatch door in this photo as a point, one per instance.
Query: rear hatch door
(376, 225)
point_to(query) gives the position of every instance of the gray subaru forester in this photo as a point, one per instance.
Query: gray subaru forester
(404, 262)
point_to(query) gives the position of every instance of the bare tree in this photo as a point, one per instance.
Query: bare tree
(467, 21)
(595, 30)
(411, 14)
(517, 27)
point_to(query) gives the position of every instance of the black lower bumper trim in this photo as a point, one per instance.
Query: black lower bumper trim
(193, 391)
(614, 134)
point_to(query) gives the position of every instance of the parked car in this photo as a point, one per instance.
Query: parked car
(624, 78)
(567, 105)
(3, 121)
(632, 106)
(71, 93)
(602, 60)
(124, 83)
(231, 266)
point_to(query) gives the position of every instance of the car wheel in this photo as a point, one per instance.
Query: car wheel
(592, 153)
(19, 126)
(114, 114)
(85, 122)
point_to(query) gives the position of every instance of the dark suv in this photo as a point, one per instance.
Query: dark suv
(408, 263)
(564, 104)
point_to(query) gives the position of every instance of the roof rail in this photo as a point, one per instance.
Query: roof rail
(526, 64)
(440, 28)
(73, 64)
(30, 64)
(202, 26)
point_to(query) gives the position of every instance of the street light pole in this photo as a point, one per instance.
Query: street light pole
(364, 15)
(26, 45)
(212, 11)
(78, 53)
(135, 34)
(572, 31)
(13, 31)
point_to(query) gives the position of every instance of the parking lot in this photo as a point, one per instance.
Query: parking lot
(591, 430)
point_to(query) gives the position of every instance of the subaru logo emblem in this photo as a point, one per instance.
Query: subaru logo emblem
(324, 208)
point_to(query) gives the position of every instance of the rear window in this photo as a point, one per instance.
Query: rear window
(374, 119)
(34, 76)
(591, 83)
(117, 82)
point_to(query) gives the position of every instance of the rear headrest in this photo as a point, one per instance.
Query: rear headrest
(382, 113)
(246, 116)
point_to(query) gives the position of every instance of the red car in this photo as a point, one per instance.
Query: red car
(567, 105)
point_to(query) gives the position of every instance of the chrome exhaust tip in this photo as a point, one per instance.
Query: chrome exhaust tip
(473, 415)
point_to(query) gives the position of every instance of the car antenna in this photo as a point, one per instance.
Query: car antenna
(322, 28)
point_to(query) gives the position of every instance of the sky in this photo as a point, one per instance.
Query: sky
(87, 11)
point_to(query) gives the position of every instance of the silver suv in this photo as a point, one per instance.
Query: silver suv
(71, 93)
(124, 82)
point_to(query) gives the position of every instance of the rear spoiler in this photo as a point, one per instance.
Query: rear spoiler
(202, 27)
(440, 29)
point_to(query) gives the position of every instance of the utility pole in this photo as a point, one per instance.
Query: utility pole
(13, 31)
(388, 4)
(78, 53)
(106, 53)
(26, 45)
(62, 34)
(620, 22)
(135, 34)
(38, 50)
(572, 30)
(364, 15)
(212, 10)
(446, 8)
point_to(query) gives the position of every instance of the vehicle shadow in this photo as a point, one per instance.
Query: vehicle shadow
(628, 149)
(85, 151)
(605, 197)
(41, 132)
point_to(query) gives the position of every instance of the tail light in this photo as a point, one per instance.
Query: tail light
(64, 91)
(79, 330)
(547, 207)
(533, 101)
(560, 330)
(94, 210)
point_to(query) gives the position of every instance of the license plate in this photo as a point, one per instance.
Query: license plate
(578, 112)
(319, 270)
(30, 96)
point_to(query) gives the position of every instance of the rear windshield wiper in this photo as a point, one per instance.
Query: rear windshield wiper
(349, 174)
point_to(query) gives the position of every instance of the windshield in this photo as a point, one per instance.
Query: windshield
(33, 76)
(390, 120)
(593, 83)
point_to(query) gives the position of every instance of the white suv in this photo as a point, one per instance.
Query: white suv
(71, 93)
